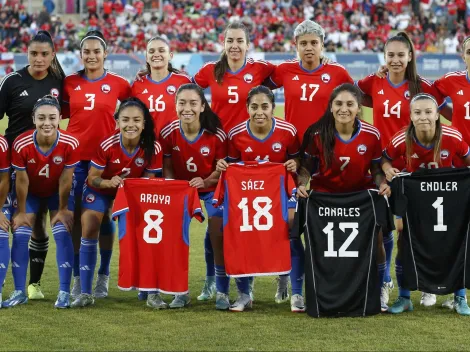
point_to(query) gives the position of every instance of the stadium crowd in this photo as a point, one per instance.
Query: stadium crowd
(195, 25)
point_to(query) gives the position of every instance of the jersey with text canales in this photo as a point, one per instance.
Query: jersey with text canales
(278, 146)
(229, 97)
(90, 105)
(452, 145)
(256, 232)
(159, 97)
(196, 158)
(307, 92)
(44, 168)
(4, 155)
(114, 160)
(154, 217)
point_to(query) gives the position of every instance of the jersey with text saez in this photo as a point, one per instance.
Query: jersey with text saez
(154, 217)
(256, 231)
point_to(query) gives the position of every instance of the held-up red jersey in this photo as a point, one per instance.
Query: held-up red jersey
(154, 217)
(229, 98)
(90, 105)
(349, 171)
(115, 161)
(306, 92)
(256, 230)
(44, 169)
(196, 158)
(452, 145)
(4, 155)
(159, 97)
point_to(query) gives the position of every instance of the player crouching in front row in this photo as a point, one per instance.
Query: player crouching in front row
(131, 151)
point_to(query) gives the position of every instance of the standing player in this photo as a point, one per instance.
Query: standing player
(44, 160)
(192, 145)
(132, 151)
(90, 99)
(19, 91)
(264, 137)
(425, 144)
(5, 214)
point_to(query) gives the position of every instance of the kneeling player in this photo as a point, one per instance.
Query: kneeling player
(425, 143)
(132, 151)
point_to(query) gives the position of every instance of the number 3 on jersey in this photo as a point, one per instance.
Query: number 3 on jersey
(91, 99)
(261, 212)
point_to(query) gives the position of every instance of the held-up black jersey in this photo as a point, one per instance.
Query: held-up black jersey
(340, 230)
(18, 94)
(435, 206)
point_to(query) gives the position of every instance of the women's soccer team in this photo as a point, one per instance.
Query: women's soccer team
(164, 120)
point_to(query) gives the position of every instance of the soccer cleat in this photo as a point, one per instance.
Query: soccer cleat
(461, 305)
(387, 287)
(180, 301)
(142, 295)
(63, 300)
(252, 289)
(102, 286)
(208, 291)
(243, 301)
(76, 289)
(427, 299)
(221, 301)
(34, 291)
(83, 300)
(16, 298)
(155, 301)
(282, 293)
(297, 304)
(402, 304)
(449, 302)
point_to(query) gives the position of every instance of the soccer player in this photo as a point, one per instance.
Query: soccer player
(264, 137)
(131, 151)
(5, 214)
(19, 92)
(348, 151)
(44, 160)
(428, 144)
(192, 145)
(90, 99)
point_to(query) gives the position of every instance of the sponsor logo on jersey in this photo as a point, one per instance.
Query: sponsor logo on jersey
(407, 94)
(415, 156)
(444, 154)
(460, 92)
(248, 150)
(55, 92)
(171, 89)
(24, 94)
(105, 88)
(381, 92)
(361, 149)
(325, 78)
(139, 162)
(78, 88)
(296, 78)
(90, 198)
(176, 148)
(31, 161)
(277, 147)
(145, 91)
(57, 160)
(248, 78)
(117, 161)
(205, 151)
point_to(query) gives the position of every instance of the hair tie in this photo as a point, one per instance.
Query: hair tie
(424, 95)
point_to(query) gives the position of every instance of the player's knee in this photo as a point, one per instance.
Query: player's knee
(107, 228)
(399, 225)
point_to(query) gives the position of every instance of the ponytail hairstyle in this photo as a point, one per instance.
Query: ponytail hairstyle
(55, 69)
(222, 66)
(325, 127)
(170, 66)
(410, 133)
(208, 118)
(261, 90)
(147, 137)
(411, 73)
(97, 35)
(48, 99)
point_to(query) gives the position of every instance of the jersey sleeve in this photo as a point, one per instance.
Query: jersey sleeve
(155, 164)
(4, 155)
(291, 184)
(195, 206)
(277, 75)
(4, 95)
(393, 151)
(462, 149)
(65, 105)
(431, 89)
(267, 68)
(233, 153)
(124, 91)
(203, 77)
(299, 219)
(18, 159)
(219, 191)
(366, 84)
(377, 150)
(120, 205)
(345, 77)
(441, 85)
(221, 145)
(100, 159)
(167, 148)
(293, 147)
(73, 157)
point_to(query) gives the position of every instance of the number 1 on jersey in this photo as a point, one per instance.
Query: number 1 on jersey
(439, 206)
(395, 109)
(260, 212)
(157, 104)
(314, 87)
(342, 252)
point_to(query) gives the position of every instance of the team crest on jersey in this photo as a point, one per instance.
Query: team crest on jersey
(55, 92)
(139, 162)
(407, 94)
(90, 198)
(248, 78)
(444, 154)
(57, 160)
(105, 88)
(361, 149)
(277, 147)
(205, 151)
(171, 89)
(325, 78)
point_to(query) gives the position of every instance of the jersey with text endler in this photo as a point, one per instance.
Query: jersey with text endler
(4, 155)
(229, 98)
(350, 167)
(44, 168)
(306, 92)
(256, 232)
(90, 105)
(435, 208)
(159, 97)
(279, 145)
(196, 158)
(340, 231)
(154, 217)
(391, 103)
(114, 160)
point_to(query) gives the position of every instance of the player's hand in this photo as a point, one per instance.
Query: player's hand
(65, 217)
(140, 74)
(325, 60)
(21, 219)
(115, 182)
(222, 165)
(391, 173)
(385, 190)
(302, 192)
(382, 71)
(4, 222)
(291, 165)
(197, 182)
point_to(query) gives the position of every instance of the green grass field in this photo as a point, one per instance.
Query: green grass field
(121, 322)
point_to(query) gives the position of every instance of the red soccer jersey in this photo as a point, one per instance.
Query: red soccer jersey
(193, 158)
(391, 103)
(154, 217)
(229, 98)
(280, 145)
(44, 169)
(256, 231)
(91, 106)
(349, 171)
(306, 92)
(452, 145)
(114, 160)
(4, 155)
(159, 97)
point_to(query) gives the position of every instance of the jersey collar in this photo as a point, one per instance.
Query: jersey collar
(353, 137)
(201, 131)
(149, 78)
(396, 85)
(124, 149)
(94, 80)
(419, 143)
(256, 138)
(310, 71)
(51, 149)
(237, 71)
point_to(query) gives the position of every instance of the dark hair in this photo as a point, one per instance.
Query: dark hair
(46, 100)
(411, 73)
(170, 66)
(325, 126)
(464, 43)
(221, 66)
(208, 118)
(55, 69)
(94, 34)
(147, 137)
(260, 90)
